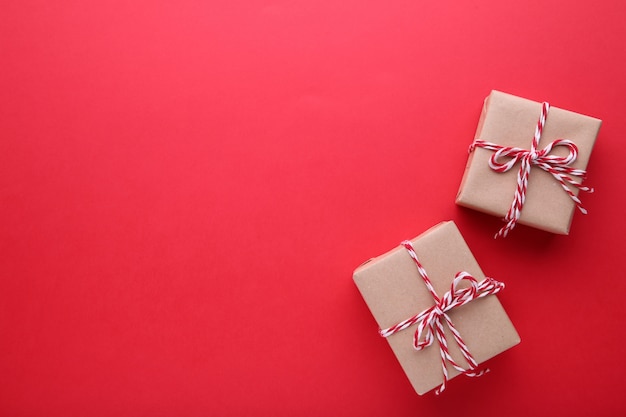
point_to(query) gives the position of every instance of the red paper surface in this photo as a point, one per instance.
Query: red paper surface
(187, 186)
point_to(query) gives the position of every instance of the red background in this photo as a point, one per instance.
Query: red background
(187, 186)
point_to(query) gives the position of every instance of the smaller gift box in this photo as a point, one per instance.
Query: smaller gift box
(428, 289)
(506, 177)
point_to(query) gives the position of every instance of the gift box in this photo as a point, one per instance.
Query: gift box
(396, 293)
(512, 122)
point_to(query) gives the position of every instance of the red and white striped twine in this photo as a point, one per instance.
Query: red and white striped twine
(430, 321)
(558, 166)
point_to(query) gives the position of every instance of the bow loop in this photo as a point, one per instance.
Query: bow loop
(424, 335)
(460, 277)
(556, 161)
(497, 163)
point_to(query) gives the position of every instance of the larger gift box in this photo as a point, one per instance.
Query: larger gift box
(512, 121)
(394, 290)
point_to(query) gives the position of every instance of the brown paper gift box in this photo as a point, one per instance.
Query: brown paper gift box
(508, 120)
(394, 291)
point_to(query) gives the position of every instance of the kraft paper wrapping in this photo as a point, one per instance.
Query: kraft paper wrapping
(510, 121)
(394, 291)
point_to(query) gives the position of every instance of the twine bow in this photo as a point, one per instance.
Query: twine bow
(558, 166)
(430, 321)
